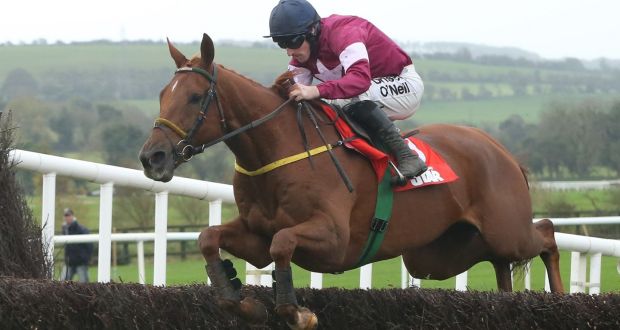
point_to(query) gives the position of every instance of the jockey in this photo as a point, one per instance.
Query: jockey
(358, 67)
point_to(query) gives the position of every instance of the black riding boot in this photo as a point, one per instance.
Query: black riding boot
(381, 129)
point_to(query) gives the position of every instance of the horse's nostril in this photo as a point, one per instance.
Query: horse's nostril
(157, 158)
(151, 160)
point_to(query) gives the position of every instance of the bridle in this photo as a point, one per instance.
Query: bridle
(184, 150)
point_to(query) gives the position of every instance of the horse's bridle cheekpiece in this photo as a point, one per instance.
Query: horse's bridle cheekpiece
(184, 149)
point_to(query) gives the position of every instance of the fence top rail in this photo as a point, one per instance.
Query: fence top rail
(576, 185)
(102, 173)
(589, 245)
(584, 221)
(124, 237)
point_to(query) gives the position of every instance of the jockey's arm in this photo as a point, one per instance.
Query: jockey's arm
(356, 78)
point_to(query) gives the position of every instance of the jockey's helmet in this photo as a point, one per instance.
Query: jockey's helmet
(291, 18)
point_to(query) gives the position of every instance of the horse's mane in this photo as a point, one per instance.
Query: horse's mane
(281, 84)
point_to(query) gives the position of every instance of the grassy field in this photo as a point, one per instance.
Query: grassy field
(472, 112)
(488, 111)
(40, 59)
(386, 274)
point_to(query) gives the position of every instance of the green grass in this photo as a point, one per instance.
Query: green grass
(491, 111)
(474, 112)
(582, 200)
(41, 59)
(386, 274)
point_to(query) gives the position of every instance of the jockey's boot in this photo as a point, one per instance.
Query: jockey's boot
(381, 129)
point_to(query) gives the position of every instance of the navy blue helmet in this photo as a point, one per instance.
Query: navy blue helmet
(291, 18)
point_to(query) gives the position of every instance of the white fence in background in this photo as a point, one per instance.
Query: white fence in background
(109, 176)
(575, 185)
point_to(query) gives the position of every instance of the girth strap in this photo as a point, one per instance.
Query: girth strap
(379, 223)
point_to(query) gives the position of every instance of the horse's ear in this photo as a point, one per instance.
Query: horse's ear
(207, 50)
(177, 56)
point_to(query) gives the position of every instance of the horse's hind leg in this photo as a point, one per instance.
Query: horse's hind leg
(234, 238)
(550, 255)
(503, 275)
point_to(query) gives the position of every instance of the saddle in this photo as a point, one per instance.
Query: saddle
(355, 138)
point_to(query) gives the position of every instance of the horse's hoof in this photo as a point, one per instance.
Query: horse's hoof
(253, 311)
(306, 320)
(227, 304)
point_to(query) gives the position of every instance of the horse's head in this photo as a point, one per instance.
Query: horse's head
(187, 113)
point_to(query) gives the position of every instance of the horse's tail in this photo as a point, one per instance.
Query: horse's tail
(520, 267)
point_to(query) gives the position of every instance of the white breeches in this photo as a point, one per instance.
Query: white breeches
(399, 96)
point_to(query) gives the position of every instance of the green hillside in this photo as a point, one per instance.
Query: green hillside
(131, 74)
(41, 60)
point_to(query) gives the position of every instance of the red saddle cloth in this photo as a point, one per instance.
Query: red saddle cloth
(438, 172)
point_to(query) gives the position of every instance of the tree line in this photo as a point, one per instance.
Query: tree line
(571, 141)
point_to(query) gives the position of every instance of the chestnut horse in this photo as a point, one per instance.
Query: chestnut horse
(303, 213)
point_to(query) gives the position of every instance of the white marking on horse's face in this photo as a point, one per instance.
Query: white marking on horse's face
(174, 85)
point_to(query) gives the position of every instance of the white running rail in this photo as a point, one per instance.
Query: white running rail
(108, 176)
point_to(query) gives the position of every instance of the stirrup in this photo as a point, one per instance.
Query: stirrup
(399, 179)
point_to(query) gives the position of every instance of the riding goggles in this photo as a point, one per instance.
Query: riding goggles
(292, 42)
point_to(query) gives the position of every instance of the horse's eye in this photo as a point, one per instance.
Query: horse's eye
(195, 98)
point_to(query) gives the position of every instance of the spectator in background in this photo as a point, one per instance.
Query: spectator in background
(77, 256)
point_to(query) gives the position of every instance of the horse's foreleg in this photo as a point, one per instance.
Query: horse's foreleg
(314, 238)
(550, 254)
(234, 238)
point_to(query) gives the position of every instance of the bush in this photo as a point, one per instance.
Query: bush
(21, 246)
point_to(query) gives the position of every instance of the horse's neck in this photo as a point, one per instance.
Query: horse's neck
(244, 101)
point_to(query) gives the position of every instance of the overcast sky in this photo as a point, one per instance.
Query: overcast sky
(551, 28)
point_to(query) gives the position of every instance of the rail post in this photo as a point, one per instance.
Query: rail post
(48, 211)
(105, 232)
(160, 245)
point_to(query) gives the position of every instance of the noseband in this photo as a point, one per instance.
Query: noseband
(184, 149)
